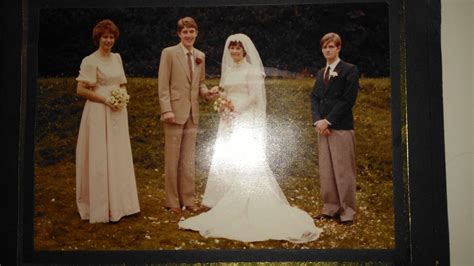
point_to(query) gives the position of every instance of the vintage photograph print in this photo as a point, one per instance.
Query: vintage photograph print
(274, 132)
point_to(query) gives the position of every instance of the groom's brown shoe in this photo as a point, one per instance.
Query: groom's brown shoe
(193, 208)
(174, 210)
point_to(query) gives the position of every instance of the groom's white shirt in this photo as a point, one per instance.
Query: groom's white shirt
(186, 51)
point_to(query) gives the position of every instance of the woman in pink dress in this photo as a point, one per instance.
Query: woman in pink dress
(105, 179)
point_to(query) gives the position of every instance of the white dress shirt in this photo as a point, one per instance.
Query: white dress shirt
(332, 66)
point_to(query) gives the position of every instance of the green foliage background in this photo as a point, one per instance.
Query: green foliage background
(286, 36)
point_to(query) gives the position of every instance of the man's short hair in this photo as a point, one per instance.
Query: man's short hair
(330, 37)
(187, 22)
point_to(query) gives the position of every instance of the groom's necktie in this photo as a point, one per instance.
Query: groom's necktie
(326, 75)
(190, 65)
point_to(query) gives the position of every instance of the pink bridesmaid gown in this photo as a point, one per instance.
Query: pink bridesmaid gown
(106, 189)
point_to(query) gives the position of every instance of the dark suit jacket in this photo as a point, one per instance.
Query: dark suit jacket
(334, 102)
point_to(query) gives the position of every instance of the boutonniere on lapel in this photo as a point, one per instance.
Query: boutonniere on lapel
(198, 60)
(332, 74)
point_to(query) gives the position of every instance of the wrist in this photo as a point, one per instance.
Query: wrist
(107, 100)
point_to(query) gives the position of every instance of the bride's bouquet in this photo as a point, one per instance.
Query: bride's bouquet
(118, 98)
(224, 107)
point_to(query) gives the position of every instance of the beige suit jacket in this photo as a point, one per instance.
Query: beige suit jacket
(176, 91)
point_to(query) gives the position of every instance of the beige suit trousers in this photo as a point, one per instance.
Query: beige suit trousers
(180, 146)
(337, 171)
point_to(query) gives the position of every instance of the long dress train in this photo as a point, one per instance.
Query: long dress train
(247, 204)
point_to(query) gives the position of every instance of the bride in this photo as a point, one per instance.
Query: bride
(245, 200)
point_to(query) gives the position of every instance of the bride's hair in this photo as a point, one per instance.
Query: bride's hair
(251, 56)
(237, 43)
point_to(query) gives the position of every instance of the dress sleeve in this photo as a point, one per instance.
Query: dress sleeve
(255, 82)
(88, 72)
(258, 99)
(123, 78)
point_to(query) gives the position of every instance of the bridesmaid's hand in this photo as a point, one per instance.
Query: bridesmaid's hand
(109, 104)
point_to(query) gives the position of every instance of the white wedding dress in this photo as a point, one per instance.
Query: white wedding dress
(246, 201)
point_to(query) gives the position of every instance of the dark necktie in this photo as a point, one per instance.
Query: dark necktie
(190, 65)
(326, 75)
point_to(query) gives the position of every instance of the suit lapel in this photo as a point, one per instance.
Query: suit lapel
(320, 79)
(181, 58)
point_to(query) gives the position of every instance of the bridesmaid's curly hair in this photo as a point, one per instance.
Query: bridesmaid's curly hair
(102, 27)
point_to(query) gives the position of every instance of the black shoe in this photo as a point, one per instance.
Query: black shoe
(349, 222)
(323, 216)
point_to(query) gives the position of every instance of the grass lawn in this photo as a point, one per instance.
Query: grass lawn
(291, 150)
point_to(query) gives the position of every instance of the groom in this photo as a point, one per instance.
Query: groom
(180, 84)
(333, 96)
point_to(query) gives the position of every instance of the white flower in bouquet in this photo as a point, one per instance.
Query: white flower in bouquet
(224, 107)
(118, 98)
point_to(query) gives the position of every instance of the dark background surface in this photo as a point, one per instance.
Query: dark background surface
(286, 36)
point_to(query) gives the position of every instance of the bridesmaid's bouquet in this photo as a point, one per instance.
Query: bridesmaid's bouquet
(118, 98)
(224, 107)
